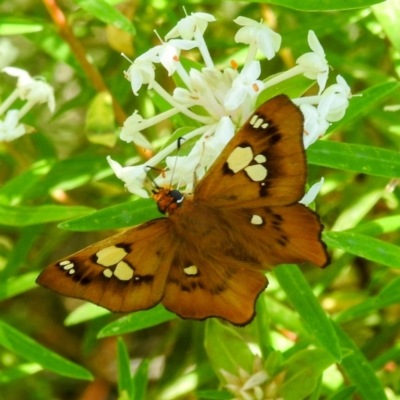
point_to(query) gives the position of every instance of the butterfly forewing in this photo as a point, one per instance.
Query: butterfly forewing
(263, 165)
(126, 272)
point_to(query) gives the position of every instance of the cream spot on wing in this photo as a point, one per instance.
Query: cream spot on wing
(263, 184)
(265, 126)
(192, 270)
(123, 271)
(108, 273)
(71, 271)
(110, 256)
(65, 262)
(239, 158)
(253, 119)
(137, 278)
(256, 172)
(260, 158)
(258, 123)
(68, 266)
(256, 220)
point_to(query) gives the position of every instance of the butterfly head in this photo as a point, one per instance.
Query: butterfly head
(168, 200)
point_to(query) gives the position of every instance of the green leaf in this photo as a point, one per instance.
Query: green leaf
(306, 304)
(317, 5)
(140, 380)
(303, 371)
(388, 15)
(389, 295)
(24, 215)
(344, 394)
(359, 370)
(13, 191)
(364, 246)
(85, 312)
(22, 370)
(107, 13)
(125, 383)
(359, 105)
(355, 157)
(213, 394)
(378, 226)
(119, 216)
(18, 26)
(17, 284)
(226, 349)
(17, 342)
(137, 321)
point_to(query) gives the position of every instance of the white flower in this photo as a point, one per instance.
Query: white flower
(188, 26)
(133, 177)
(314, 63)
(340, 94)
(246, 84)
(23, 76)
(315, 123)
(267, 41)
(10, 129)
(312, 193)
(8, 53)
(169, 53)
(142, 70)
(130, 131)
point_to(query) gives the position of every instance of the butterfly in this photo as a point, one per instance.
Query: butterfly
(208, 256)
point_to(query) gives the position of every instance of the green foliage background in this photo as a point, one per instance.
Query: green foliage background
(330, 334)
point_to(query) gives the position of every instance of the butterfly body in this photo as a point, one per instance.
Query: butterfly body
(208, 256)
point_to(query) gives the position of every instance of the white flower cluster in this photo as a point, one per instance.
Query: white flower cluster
(227, 97)
(33, 91)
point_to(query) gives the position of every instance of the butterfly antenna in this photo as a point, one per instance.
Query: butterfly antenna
(147, 168)
(198, 166)
(179, 144)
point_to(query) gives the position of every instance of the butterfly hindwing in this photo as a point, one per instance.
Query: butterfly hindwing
(264, 164)
(124, 273)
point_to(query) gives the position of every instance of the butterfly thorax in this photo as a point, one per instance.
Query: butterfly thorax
(168, 200)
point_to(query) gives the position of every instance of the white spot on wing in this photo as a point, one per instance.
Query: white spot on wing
(240, 158)
(253, 119)
(108, 273)
(110, 256)
(65, 262)
(123, 271)
(256, 172)
(265, 126)
(256, 220)
(68, 266)
(71, 271)
(258, 123)
(192, 270)
(260, 158)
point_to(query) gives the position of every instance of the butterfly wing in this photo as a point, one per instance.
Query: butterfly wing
(263, 165)
(124, 273)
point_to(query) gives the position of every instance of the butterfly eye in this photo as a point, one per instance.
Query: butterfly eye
(177, 196)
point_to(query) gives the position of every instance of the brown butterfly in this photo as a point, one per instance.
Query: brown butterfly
(207, 259)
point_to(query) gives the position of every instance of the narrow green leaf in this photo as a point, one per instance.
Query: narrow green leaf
(317, 5)
(137, 321)
(22, 370)
(355, 157)
(119, 216)
(125, 383)
(17, 284)
(378, 226)
(107, 13)
(24, 215)
(306, 304)
(389, 295)
(213, 395)
(17, 342)
(140, 380)
(359, 105)
(13, 191)
(391, 355)
(85, 312)
(388, 15)
(359, 370)
(364, 246)
(344, 394)
(226, 349)
(18, 26)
